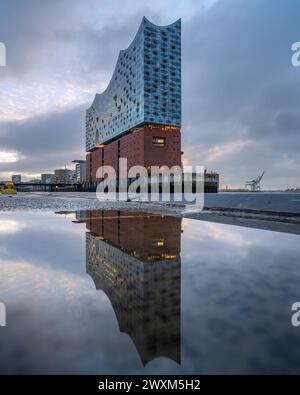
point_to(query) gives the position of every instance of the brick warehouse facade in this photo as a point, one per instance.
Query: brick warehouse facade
(138, 116)
(140, 149)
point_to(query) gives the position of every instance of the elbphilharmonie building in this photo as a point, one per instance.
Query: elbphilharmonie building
(134, 258)
(138, 116)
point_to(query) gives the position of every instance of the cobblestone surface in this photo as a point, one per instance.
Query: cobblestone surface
(276, 202)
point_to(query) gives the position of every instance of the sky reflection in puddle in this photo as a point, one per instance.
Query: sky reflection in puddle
(116, 292)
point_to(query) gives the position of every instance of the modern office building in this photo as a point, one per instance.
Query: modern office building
(16, 178)
(80, 169)
(138, 116)
(63, 176)
(135, 259)
(47, 178)
(72, 177)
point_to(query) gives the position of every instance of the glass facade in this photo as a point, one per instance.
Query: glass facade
(145, 86)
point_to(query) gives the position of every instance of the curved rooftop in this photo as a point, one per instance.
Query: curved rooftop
(145, 86)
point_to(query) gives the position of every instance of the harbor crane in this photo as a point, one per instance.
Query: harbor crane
(255, 184)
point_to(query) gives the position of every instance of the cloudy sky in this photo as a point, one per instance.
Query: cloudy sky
(241, 94)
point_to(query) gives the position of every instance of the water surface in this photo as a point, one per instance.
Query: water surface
(116, 292)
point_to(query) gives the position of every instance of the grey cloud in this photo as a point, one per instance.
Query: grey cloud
(239, 84)
(238, 81)
(36, 34)
(45, 141)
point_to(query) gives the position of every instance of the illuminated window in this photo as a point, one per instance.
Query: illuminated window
(160, 243)
(161, 141)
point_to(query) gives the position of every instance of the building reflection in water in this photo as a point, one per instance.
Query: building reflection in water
(135, 259)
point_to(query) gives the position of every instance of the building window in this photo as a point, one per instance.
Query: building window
(161, 141)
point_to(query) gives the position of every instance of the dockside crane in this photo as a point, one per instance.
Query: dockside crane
(255, 184)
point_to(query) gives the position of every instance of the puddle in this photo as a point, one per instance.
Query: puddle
(117, 292)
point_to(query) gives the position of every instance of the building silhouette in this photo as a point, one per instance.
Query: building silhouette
(16, 178)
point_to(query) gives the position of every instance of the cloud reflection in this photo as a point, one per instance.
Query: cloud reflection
(10, 226)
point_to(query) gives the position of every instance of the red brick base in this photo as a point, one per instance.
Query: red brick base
(151, 145)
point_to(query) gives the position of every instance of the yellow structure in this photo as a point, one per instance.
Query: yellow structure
(8, 189)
